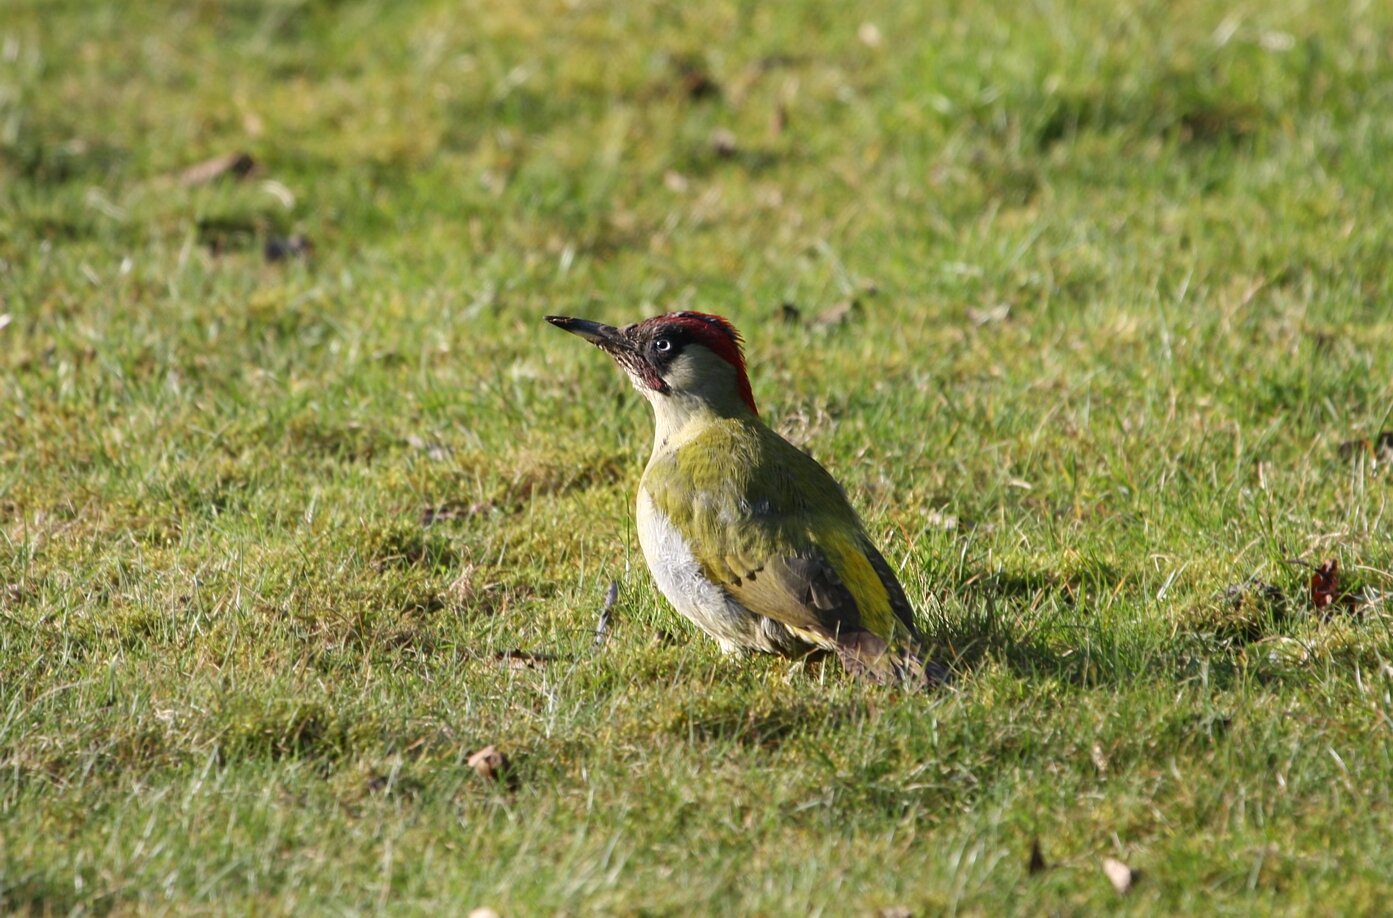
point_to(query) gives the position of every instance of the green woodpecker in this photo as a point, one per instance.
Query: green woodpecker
(745, 534)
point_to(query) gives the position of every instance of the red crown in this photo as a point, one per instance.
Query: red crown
(720, 337)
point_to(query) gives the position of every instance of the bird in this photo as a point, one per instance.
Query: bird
(745, 534)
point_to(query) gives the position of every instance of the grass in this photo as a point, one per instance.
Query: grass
(283, 543)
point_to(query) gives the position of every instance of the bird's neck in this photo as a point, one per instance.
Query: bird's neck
(702, 389)
(680, 417)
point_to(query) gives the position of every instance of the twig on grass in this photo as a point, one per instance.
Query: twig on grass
(602, 626)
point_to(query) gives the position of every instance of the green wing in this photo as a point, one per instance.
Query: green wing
(772, 528)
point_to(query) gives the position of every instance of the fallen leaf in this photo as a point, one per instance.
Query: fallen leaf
(234, 165)
(1100, 759)
(837, 314)
(521, 659)
(1119, 874)
(461, 589)
(1325, 584)
(1379, 450)
(1383, 447)
(696, 81)
(1037, 859)
(723, 143)
(484, 912)
(980, 317)
(489, 763)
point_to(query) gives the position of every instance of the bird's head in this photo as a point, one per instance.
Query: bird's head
(676, 358)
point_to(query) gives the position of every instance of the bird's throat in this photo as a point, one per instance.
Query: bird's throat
(679, 418)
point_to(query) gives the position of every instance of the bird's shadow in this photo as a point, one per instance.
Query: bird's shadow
(1017, 619)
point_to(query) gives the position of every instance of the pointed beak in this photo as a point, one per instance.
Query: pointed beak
(606, 337)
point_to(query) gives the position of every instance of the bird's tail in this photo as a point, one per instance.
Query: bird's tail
(867, 655)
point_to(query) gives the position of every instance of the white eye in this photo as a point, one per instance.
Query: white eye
(662, 345)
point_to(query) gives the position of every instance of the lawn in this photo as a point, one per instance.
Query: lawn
(302, 504)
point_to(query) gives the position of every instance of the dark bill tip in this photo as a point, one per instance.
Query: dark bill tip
(594, 332)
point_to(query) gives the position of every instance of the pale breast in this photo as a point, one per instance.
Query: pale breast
(680, 578)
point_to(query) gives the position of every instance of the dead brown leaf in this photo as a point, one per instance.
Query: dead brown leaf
(1326, 588)
(838, 314)
(461, 589)
(522, 659)
(980, 317)
(1325, 584)
(1100, 759)
(233, 165)
(1379, 450)
(696, 81)
(723, 143)
(489, 763)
